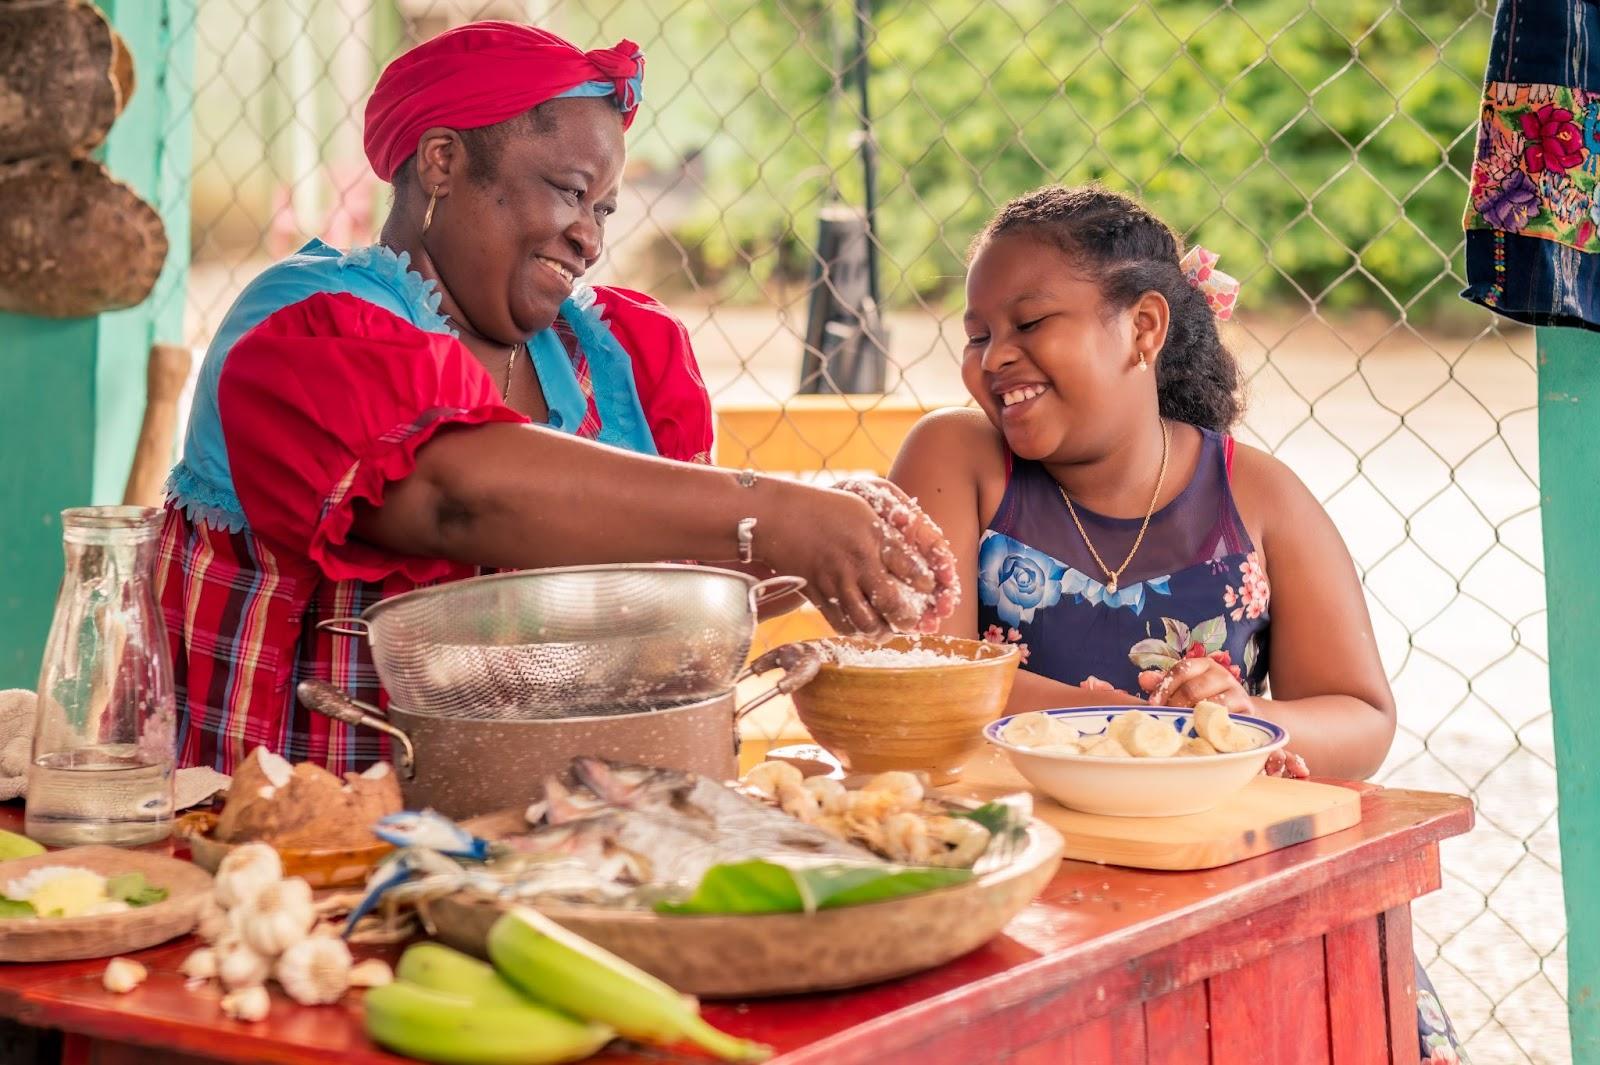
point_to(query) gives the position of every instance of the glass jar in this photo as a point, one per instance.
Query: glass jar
(104, 734)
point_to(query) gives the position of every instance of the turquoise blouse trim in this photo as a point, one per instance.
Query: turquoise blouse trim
(202, 483)
(622, 419)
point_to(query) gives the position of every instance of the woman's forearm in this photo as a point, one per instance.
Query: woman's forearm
(520, 496)
(1338, 735)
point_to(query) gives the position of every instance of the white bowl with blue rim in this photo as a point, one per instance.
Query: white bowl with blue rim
(1138, 787)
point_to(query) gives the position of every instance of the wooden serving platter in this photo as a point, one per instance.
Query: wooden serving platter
(784, 953)
(36, 939)
(1269, 813)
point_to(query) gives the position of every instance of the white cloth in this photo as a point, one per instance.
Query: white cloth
(190, 787)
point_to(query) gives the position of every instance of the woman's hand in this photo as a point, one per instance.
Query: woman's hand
(1196, 680)
(866, 573)
(910, 529)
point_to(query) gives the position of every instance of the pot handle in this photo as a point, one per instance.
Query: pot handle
(343, 627)
(772, 588)
(329, 701)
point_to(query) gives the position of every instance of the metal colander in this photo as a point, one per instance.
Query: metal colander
(580, 641)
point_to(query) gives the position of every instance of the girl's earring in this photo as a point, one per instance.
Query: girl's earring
(1144, 363)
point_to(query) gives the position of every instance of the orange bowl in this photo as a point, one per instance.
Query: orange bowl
(876, 715)
(328, 867)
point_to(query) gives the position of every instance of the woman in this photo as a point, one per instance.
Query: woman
(1102, 511)
(442, 403)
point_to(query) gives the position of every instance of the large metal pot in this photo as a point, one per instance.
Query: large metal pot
(463, 768)
(555, 643)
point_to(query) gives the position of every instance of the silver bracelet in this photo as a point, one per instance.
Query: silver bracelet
(747, 539)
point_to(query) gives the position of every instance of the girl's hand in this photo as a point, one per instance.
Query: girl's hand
(1196, 680)
(1283, 763)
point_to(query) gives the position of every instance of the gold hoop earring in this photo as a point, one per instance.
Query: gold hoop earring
(1144, 361)
(427, 218)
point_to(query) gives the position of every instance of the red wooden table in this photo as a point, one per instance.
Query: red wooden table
(1303, 955)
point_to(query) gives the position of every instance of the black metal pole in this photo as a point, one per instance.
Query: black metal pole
(869, 145)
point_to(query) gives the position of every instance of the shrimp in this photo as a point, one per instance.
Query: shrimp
(905, 787)
(798, 801)
(953, 842)
(885, 794)
(768, 777)
(831, 796)
(905, 839)
(966, 839)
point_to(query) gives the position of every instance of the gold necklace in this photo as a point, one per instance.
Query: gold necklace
(1113, 574)
(511, 364)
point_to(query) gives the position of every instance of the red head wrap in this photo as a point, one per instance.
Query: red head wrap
(482, 73)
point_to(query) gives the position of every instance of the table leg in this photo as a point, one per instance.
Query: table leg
(1399, 984)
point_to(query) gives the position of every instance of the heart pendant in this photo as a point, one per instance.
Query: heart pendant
(1112, 586)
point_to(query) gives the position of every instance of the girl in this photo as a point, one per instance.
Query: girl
(1105, 517)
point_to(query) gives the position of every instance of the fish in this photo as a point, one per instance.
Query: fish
(666, 827)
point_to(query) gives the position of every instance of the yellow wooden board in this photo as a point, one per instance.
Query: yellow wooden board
(1267, 814)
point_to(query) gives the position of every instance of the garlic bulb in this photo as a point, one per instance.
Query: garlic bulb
(277, 917)
(247, 1004)
(374, 972)
(213, 920)
(239, 965)
(245, 871)
(200, 964)
(315, 971)
(123, 975)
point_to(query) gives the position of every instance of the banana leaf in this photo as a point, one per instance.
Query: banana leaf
(761, 886)
(133, 889)
(16, 908)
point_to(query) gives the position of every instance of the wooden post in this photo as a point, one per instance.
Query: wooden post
(76, 388)
(1569, 474)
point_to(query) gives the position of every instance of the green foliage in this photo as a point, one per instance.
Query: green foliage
(1322, 148)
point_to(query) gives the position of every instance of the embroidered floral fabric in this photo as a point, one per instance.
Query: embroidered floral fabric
(1533, 174)
(1533, 211)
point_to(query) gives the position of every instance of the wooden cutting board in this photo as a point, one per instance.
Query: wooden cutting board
(1267, 814)
(65, 938)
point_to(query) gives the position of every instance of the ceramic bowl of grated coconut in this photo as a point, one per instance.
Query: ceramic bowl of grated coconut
(916, 703)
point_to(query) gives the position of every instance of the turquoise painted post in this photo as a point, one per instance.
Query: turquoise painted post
(76, 387)
(1569, 474)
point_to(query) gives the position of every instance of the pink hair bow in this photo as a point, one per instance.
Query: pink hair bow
(1220, 290)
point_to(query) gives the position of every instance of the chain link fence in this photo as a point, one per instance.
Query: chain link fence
(1322, 147)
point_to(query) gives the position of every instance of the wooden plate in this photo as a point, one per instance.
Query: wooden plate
(333, 867)
(788, 953)
(101, 936)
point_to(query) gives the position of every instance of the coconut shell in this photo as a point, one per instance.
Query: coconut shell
(74, 241)
(319, 812)
(246, 814)
(315, 810)
(372, 799)
(60, 82)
